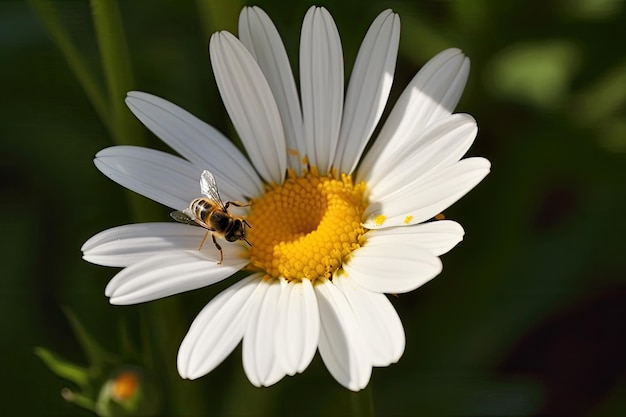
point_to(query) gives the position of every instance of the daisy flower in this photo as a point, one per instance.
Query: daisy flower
(333, 229)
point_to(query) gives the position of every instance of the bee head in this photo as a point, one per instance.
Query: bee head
(237, 231)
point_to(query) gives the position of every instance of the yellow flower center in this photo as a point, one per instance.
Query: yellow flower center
(305, 227)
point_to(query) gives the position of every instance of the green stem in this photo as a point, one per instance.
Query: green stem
(116, 65)
(363, 402)
(117, 70)
(78, 399)
(218, 15)
(168, 322)
(168, 328)
(259, 402)
(45, 11)
(214, 16)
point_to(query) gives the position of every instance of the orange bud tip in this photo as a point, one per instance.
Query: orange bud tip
(124, 386)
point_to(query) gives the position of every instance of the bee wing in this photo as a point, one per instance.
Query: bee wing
(183, 217)
(208, 187)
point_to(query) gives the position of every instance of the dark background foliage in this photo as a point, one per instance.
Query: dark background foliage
(528, 315)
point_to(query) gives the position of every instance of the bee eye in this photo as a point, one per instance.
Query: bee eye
(236, 232)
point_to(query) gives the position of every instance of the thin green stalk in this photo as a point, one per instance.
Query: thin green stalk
(218, 15)
(215, 16)
(116, 66)
(168, 321)
(241, 398)
(46, 12)
(168, 328)
(363, 402)
(117, 70)
(167, 318)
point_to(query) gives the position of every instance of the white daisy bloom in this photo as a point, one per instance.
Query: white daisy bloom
(332, 230)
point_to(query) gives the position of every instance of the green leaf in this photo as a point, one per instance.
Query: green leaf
(538, 73)
(77, 398)
(63, 368)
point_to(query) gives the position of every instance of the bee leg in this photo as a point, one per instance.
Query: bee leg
(219, 248)
(204, 239)
(236, 204)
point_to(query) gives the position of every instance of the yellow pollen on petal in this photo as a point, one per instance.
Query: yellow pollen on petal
(304, 228)
(380, 219)
(408, 219)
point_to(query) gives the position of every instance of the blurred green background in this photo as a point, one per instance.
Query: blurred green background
(529, 314)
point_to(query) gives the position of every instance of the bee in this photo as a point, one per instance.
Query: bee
(212, 214)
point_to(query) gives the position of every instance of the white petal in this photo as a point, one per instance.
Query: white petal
(391, 264)
(368, 89)
(438, 237)
(342, 342)
(441, 144)
(259, 35)
(164, 178)
(321, 85)
(217, 330)
(298, 326)
(124, 245)
(250, 105)
(259, 349)
(171, 273)
(432, 94)
(198, 142)
(426, 197)
(379, 321)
